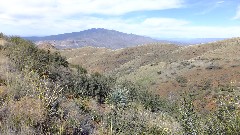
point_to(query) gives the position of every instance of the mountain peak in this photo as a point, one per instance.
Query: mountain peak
(96, 37)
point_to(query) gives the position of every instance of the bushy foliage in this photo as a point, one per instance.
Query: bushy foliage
(132, 122)
(224, 120)
(155, 103)
(181, 80)
(26, 55)
(95, 86)
(189, 118)
(119, 98)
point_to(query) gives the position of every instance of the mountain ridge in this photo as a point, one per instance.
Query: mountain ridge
(112, 39)
(96, 37)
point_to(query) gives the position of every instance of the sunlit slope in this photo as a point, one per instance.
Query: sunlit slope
(159, 66)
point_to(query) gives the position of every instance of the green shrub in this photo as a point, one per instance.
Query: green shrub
(119, 98)
(95, 86)
(100, 87)
(26, 55)
(189, 119)
(225, 120)
(182, 81)
(155, 103)
(1, 35)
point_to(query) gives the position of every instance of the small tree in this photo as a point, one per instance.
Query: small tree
(1, 35)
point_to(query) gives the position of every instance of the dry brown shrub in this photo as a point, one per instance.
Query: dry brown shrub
(28, 110)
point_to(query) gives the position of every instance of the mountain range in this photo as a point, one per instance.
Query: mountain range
(99, 37)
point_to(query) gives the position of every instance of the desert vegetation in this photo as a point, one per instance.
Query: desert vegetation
(42, 93)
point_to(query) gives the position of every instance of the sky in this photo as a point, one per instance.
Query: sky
(153, 18)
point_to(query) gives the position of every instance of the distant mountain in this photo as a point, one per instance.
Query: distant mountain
(96, 37)
(192, 41)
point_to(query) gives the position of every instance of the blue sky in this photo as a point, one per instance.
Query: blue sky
(154, 18)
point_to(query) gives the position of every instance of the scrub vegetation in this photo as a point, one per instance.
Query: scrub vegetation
(42, 93)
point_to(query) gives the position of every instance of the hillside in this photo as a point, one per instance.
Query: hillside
(94, 37)
(153, 89)
(106, 60)
(166, 69)
(216, 64)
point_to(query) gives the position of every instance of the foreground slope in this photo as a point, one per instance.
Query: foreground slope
(41, 94)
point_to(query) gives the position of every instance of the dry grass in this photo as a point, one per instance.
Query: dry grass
(105, 60)
(47, 47)
(27, 109)
(20, 117)
(2, 42)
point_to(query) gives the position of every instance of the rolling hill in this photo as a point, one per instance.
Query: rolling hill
(166, 68)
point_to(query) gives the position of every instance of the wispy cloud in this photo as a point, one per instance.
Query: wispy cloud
(212, 7)
(164, 22)
(237, 16)
(69, 7)
(220, 2)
